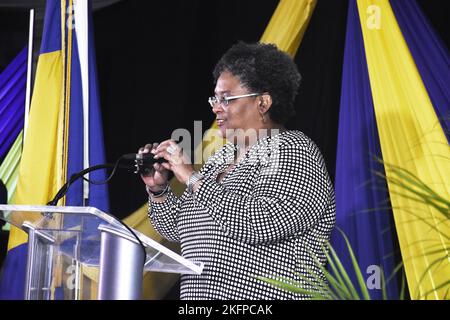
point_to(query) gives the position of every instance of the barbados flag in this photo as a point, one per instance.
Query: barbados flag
(64, 133)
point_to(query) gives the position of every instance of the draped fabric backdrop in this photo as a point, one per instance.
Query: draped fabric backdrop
(360, 197)
(430, 56)
(399, 71)
(384, 104)
(412, 138)
(13, 38)
(12, 109)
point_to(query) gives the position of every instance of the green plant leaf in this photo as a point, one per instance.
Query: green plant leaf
(347, 281)
(340, 285)
(359, 277)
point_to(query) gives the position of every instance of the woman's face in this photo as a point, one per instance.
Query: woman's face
(240, 113)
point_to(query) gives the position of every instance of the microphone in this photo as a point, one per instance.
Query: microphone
(146, 157)
(143, 161)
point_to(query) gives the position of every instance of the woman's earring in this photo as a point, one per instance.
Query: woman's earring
(263, 118)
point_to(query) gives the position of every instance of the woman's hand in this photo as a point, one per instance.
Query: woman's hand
(177, 161)
(157, 179)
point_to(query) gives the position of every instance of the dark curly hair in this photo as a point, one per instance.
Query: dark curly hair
(264, 68)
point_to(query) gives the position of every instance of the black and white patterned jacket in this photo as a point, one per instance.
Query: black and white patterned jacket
(264, 218)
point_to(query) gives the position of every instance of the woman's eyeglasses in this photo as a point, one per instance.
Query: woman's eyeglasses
(224, 101)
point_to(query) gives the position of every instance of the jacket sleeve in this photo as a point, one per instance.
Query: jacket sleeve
(163, 216)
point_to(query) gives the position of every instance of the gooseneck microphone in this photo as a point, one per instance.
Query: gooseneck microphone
(143, 164)
(136, 156)
(64, 189)
(147, 157)
(143, 161)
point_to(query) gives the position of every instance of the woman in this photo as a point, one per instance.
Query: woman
(261, 204)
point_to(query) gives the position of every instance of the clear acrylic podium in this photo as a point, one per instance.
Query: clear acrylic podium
(69, 246)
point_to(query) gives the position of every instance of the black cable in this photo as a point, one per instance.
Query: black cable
(62, 192)
(116, 165)
(65, 188)
(81, 174)
(135, 235)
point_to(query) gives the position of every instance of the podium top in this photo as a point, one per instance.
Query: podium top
(66, 226)
(51, 217)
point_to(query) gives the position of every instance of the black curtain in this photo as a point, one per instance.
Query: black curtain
(13, 34)
(155, 62)
(319, 59)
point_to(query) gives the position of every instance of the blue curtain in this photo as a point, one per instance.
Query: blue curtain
(12, 100)
(357, 191)
(430, 55)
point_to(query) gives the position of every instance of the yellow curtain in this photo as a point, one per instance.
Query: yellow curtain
(285, 29)
(288, 24)
(411, 138)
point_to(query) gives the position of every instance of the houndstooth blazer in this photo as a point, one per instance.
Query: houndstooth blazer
(266, 217)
